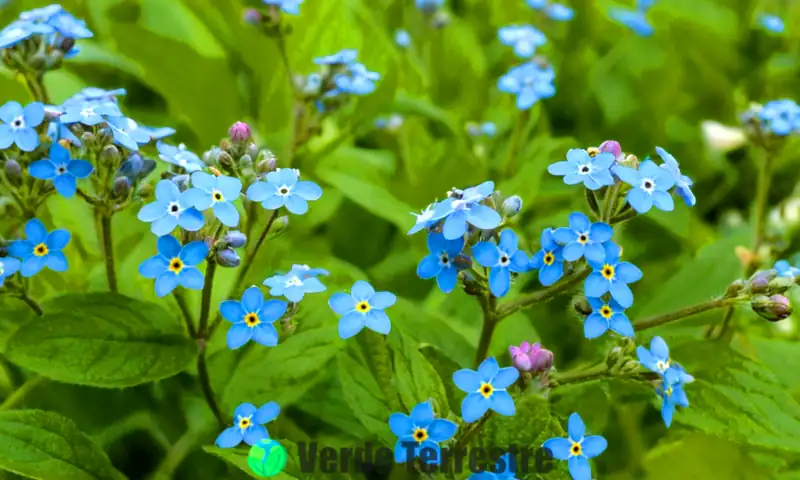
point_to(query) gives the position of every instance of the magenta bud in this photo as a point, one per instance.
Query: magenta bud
(611, 146)
(522, 362)
(239, 133)
(531, 358)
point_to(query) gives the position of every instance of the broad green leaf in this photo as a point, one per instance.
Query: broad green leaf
(102, 340)
(47, 446)
(445, 367)
(417, 380)
(781, 356)
(531, 422)
(443, 332)
(592, 400)
(692, 457)
(363, 395)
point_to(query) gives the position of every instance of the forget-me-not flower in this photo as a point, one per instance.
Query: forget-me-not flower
(501, 259)
(19, 125)
(342, 57)
(780, 117)
(252, 318)
(657, 360)
(530, 82)
(549, 260)
(577, 449)
(606, 316)
(294, 285)
(634, 20)
(304, 271)
(171, 209)
(683, 184)
(88, 113)
(40, 249)
(485, 129)
(94, 94)
(559, 12)
(785, 269)
(8, 266)
(175, 265)
(21, 30)
(402, 38)
(356, 80)
(523, 38)
(458, 212)
(292, 7)
(57, 131)
(282, 189)
(672, 394)
(248, 425)
(580, 167)
(486, 390)
(424, 219)
(536, 4)
(216, 193)
(440, 263)
(363, 307)
(179, 156)
(772, 23)
(428, 6)
(650, 184)
(61, 169)
(68, 26)
(612, 276)
(420, 429)
(583, 238)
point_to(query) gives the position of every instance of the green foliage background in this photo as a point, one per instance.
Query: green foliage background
(193, 65)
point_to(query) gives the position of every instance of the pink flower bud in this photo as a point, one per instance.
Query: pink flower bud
(541, 359)
(611, 146)
(239, 133)
(531, 358)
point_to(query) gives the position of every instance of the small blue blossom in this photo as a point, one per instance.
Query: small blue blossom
(57, 131)
(780, 117)
(356, 80)
(651, 186)
(40, 249)
(424, 219)
(683, 184)
(583, 238)
(785, 269)
(171, 209)
(282, 189)
(559, 12)
(612, 276)
(68, 26)
(292, 7)
(549, 260)
(486, 390)
(179, 156)
(88, 113)
(294, 285)
(216, 193)
(501, 259)
(175, 265)
(390, 124)
(19, 125)
(657, 358)
(252, 318)
(505, 468)
(577, 449)
(537, 4)
(580, 167)
(41, 14)
(343, 57)
(530, 82)
(440, 263)
(94, 94)
(363, 307)
(672, 394)
(127, 133)
(467, 209)
(634, 20)
(402, 38)
(304, 271)
(61, 169)
(248, 425)
(8, 266)
(772, 23)
(523, 38)
(486, 129)
(420, 429)
(606, 316)
(21, 30)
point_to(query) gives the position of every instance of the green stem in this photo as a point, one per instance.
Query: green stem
(516, 137)
(610, 203)
(31, 303)
(205, 303)
(35, 85)
(470, 431)
(591, 199)
(545, 295)
(108, 251)
(19, 394)
(490, 320)
(670, 317)
(760, 211)
(624, 216)
(185, 312)
(285, 58)
(205, 384)
(579, 376)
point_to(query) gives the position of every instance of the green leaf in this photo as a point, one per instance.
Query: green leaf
(45, 445)
(691, 457)
(363, 395)
(445, 367)
(530, 425)
(417, 380)
(238, 458)
(102, 340)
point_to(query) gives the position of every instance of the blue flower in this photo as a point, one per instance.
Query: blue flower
(127, 133)
(421, 429)
(216, 193)
(530, 82)
(549, 260)
(41, 249)
(252, 318)
(683, 184)
(292, 7)
(612, 276)
(606, 316)
(577, 449)
(644, 5)
(363, 307)
(505, 469)
(88, 113)
(57, 131)
(41, 14)
(559, 12)
(179, 156)
(650, 184)
(634, 20)
(657, 358)
(785, 269)
(282, 189)
(780, 117)
(428, 5)
(21, 30)
(580, 167)
(94, 94)
(672, 394)
(487, 129)
(61, 169)
(424, 219)
(175, 265)
(583, 238)
(524, 39)
(501, 259)
(356, 80)
(8, 266)
(536, 4)
(304, 271)
(248, 425)
(294, 285)
(68, 26)
(486, 390)
(170, 209)
(19, 125)
(343, 57)
(440, 263)
(402, 38)
(467, 209)
(772, 23)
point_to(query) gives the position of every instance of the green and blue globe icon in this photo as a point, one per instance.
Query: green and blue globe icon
(267, 458)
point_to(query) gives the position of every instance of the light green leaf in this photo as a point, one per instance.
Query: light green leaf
(692, 457)
(417, 380)
(363, 395)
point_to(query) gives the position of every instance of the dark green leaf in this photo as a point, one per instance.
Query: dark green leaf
(363, 395)
(417, 380)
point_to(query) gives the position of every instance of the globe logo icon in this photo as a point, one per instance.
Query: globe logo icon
(267, 458)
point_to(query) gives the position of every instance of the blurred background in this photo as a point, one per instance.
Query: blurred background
(196, 66)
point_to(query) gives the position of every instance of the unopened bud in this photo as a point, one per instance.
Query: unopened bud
(440, 19)
(279, 227)
(87, 137)
(109, 155)
(631, 161)
(228, 258)
(225, 144)
(147, 168)
(64, 143)
(265, 166)
(531, 358)
(780, 284)
(581, 305)
(66, 44)
(245, 161)
(146, 191)
(253, 17)
(252, 150)
(122, 187)
(774, 308)
(735, 288)
(511, 206)
(225, 160)
(759, 282)
(210, 156)
(234, 239)
(239, 133)
(614, 356)
(13, 171)
(611, 146)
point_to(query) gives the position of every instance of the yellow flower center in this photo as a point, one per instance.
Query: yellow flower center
(576, 449)
(420, 435)
(176, 265)
(218, 196)
(549, 258)
(606, 312)
(668, 392)
(583, 238)
(40, 250)
(663, 366)
(608, 272)
(244, 422)
(592, 151)
(363, 307)
(486, 390)
(251, 319)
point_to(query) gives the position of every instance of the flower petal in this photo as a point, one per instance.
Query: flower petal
(455, 226)
(229, 438)
(429, 267)
(42, 169)
(231, 310)
(341, 303)
(382, 300)
(621, 293)
(307, 190)
(620, 324)
(362, 291)
(579, 468)
(378, 321)
(166, 283)
(252, 299)
(168, 246)
(35, 231)
(499, 281)
(351, 324)
(255, 433)
(576, 428)
(422, 414)
(502, 403)
(267, 413)
(272, 310)
(194, 253)
(265, 334)
(191, 278)
(596, 285)
(80, 168)
(473, 407)
(505, 378)
(57, 240)
(447, 279)
(482, 217)
(65, 185)
(488, 369)
(593, 445)
(467, 380)
(659, 349)
(57, 262)
(238, 335)
(441, 430)
(594, 326)
(559, 447)
(400, 424)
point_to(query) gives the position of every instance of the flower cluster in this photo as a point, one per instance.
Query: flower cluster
(529, 82)
(780, 117)
(340, 77)
(554, 11)
(635, 19)
(673, 377)
(42, 36)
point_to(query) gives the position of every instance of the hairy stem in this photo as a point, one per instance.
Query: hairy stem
(205, 384)
(180, 299)
(205, 303)
(35, 85)
(490, 320)
(544, 295)
(579, 376)
(31, 303)
(760, 211)
(108, 251)
(470, 431)
(685, 312)
(19, 394)
(623, 217)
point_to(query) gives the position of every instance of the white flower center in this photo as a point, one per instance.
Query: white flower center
(504, 259)
(87, 112)
(18, 123)
(61, 169)
(585, 169)
(648, 185)
(174, 209)
(293, 282)
(284, 190)
(662, 366)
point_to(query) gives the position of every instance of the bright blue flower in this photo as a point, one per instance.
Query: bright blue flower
(179, 156)
(68, 26)
(467, 209)
(559, 12)
(57, 131)
(357, 80)
(683, 184)
(634, 20)
(428, 5)
(8, 266)
(606, 316)
(19, 125)
(651, 186)
(157, 133)
(21, 30)
(424, 219)
(88, 113)
(549, 260)
(537, 4)
(127, 133)
(612, 276)
(248, 425)
(175, 265)
(94, 94)
(780, 117)
(422, 429)
(529, 82)
(501, 259)
(61, 169)
(292, 7)
(363, 307)
(577, 449)
(294, 285)
(171, 209)
(41, 249)
(304, 271)
(523, 38)
(580, 167)
(252, 318)
(402, 38)
(282, 189)
(583, 238)
(440, 263)
(343, 57)
(505, 468)
(489, 129)
(657, 358)
(216, 193)
(41, 14)
(672, 393)
(772, 23)
(785, 269)
(486, 390)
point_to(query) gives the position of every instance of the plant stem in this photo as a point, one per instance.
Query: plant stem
(31, 303)
(685, 312)
(490, 320)
(19, 394)
(600, 371)
(623, 217)
(470, 431)
(108, 251)
(285, 58)
(516, 137)
(185, 312)
(205, 384)
(760, 211)
(591, 199)
(542, 296)
(36, 88)
(610, 203)
(205, 303)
